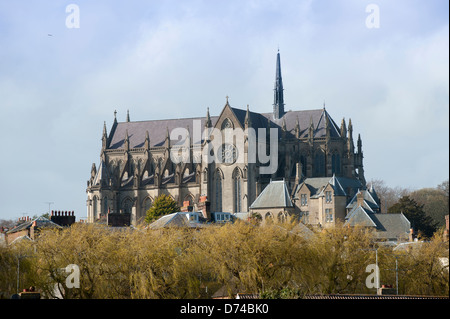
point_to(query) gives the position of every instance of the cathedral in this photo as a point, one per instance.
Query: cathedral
(228, 159)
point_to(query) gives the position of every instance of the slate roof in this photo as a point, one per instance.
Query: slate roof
(41, 222)
(175, 220)
(340, 185)
(158, 128)
(388, 226)
(371, 200)
(275, 194)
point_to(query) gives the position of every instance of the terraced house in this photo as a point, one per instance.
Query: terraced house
(140, 160)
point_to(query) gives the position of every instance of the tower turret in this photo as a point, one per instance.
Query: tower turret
(278, 100)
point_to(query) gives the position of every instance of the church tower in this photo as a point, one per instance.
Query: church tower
(278, 100)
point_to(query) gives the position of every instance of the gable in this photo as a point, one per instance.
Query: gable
(359, 217)
(274, 195)
(228, 114)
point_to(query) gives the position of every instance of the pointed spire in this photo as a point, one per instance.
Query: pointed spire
(359, 143)
(350, 144)
(126, 141)
(248, 121)
(278, 100)
(167, 140)
(350, 128)
(297, 128)
(343, 128)
(208, 119)
(188, 135)
(104, 136)
(147, 141)
(128, 115)
(115, 116)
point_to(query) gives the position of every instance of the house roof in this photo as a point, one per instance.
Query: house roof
(371, 200)
(340, 185)
(157, 129)
(274, 195)
(387, 226)
(41, 222)
(392, 225)
(175, 220)
(359, 216)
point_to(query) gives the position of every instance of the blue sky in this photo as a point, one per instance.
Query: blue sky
(167, 59)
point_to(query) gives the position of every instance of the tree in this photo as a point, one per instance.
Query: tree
(388, 195)
(415, 214)
(434, 201)
(163, 205)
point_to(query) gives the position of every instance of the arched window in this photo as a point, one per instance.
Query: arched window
(319, 164)
(336, 163)
(126, 206)
(218, 190)
(227, 123)
(303, 162)
(237, 181)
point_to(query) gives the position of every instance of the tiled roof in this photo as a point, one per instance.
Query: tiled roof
(371, 200)
(157, 129)
(340, 185)
(41, 222)
(175, 220)
(387, 226)
(361, 217)
(274, 195)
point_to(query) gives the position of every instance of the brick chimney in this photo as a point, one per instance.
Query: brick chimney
(411, 234)
(65, 218)
(205, 206)
(360, 199)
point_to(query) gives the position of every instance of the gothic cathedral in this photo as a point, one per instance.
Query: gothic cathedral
(139, 160)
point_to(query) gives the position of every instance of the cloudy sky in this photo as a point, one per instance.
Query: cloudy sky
(169, 59)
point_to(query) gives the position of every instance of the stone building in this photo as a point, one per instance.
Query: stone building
(229, 158)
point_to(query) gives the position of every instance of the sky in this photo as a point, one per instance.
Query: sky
(64, 71)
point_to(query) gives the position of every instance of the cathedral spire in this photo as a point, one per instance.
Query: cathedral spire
(104, 136)
(147, 141)
(350, 144)
(167, 140)
(359, 143)
(297, 128)
(247, 121)
(127, 141)
(343, 128)
(208, 119)
(128, 115)
(278, 100)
